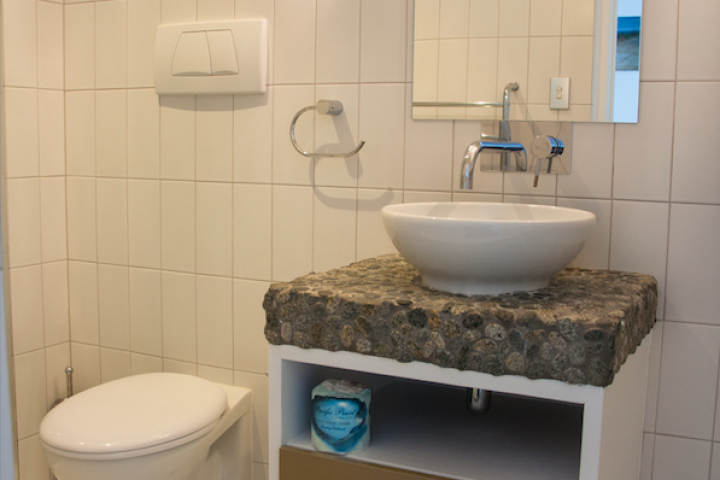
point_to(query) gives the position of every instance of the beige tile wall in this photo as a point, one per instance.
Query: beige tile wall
(457, 42)
(34, 188)
(181, 210)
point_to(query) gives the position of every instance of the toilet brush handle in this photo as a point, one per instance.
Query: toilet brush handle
(69, 381)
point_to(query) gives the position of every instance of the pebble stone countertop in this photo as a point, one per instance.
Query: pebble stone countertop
(579, 329)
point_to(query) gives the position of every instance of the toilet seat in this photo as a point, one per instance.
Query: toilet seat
(134, 416)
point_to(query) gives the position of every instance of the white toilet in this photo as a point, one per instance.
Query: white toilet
(156, 426)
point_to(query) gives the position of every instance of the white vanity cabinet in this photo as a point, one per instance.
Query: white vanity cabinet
(535, 429)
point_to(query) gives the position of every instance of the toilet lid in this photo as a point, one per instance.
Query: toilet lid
(133, 413)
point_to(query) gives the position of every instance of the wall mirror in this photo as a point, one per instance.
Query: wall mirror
(537, 60)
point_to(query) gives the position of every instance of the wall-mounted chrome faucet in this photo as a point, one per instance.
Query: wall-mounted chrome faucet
(474, 149)
(549, 141)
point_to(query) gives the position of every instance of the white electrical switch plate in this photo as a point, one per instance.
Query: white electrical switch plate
(560, 93)
(212, 58)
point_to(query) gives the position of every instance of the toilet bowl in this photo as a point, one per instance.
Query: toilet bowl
(156, 426)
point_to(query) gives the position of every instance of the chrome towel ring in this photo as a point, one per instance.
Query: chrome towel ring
(323, 107)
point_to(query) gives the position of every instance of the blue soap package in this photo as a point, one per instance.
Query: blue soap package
(341, 417)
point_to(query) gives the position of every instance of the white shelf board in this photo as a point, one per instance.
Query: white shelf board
(425, 428)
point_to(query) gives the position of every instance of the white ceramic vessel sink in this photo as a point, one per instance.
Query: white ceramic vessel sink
(487, 248)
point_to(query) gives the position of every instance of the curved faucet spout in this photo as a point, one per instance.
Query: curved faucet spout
(474, 149)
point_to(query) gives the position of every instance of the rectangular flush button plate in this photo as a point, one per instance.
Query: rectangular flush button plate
(560, 93)
(212, 58)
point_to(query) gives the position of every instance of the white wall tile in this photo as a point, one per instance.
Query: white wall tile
(260, 471)
(30, 392)
(51, 132)
(335, 211)
(52, 219)
(80, 132)
(215, 374)
(20, 43)
(596, 252)
(259, 386)
(292, 232)
(214, 138)
(144, 223)
(698, 41)
(643, 151)
(80, 46)
(31, 456)
(421, 197)
(372, 239)
(114, 307)
(251, 348)
(140, 364)
(592, 168)
(50, 66)
(89, 357)
(112, 221)
(289, 167)
(178, 226)
(295, 41)
(177, 137)
(253, 131)
(514, 19)
(214, 10)
(452, 75)
(215, 321)
(576, 63)
(111, 133)
(179, 327)
(522, 183)
(578, 17)
(338, 41)
(454, 18)
(57, 359)
(512, 66)
(689, 371)
(56, 310)
(337, 134)
(84, 316)
(21, 137)
(23, 223)
(638, 242)
(482, 87)
(425, 66)
(178, 11)
(659, 46)
(260, 9)
(143, 133)
(111, 44)
(428, 153)
(252, 231)
(693, 274)
(681, 458)
(427, 19)
(114, 364)
(214, 228)
(143, 18)
(697, 121)
(715, 472)
(183, 368)
(145, 293)
(382, 41)
(545, 17)
(382, 127)
(653, 376)
(26, 309)
(484, 18)
(543, 63)
(81, 224)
